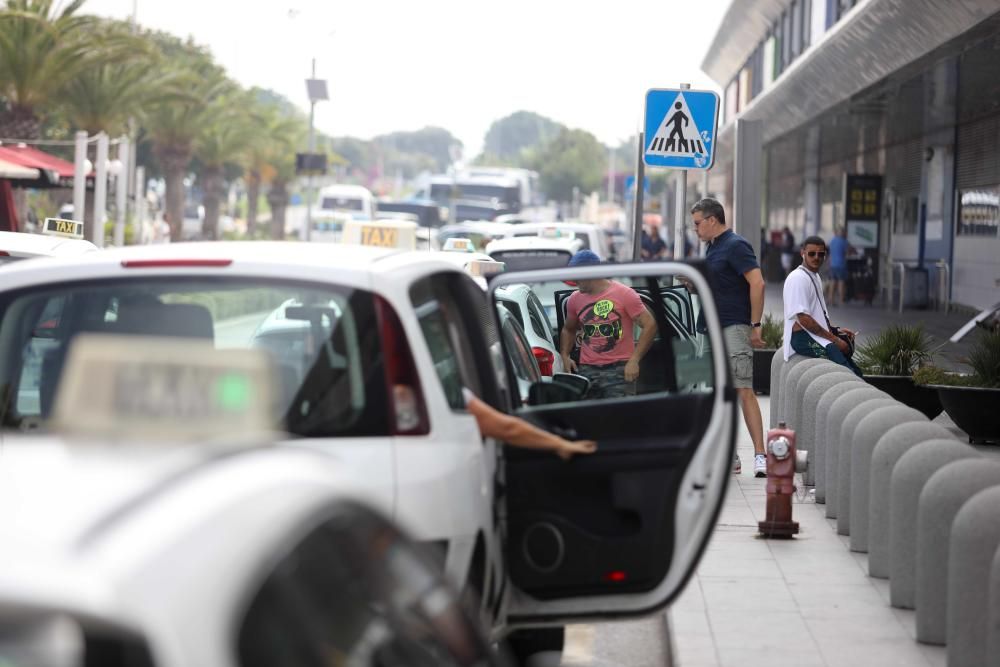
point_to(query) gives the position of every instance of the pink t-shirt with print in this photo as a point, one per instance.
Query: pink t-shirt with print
(606, 321)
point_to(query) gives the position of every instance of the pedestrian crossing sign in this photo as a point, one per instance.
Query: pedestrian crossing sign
(680, 128)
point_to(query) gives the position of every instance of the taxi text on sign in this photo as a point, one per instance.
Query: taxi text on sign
(680, 128)
(385, 237)
(72, 229)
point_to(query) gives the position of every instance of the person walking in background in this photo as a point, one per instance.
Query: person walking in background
(787, 249)
(808, 330)
(738, 288)
(653, 246)
(839, 248)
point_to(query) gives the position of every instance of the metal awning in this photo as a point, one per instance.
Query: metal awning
(16, 171)
(871, 43)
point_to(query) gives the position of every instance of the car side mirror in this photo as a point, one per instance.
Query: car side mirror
(547, 393)
(576, 382)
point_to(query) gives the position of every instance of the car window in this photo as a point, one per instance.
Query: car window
(526, 260)
(537, 316)
(520, 352)
(322, 339)
(447, 337)
(513, 308)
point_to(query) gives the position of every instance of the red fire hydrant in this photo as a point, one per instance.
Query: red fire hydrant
(782, 463)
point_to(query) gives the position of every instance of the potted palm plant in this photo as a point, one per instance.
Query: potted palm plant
(771, 331)
(889, 359)
(971, 400)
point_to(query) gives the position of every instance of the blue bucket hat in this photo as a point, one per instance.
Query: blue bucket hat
(584, 258)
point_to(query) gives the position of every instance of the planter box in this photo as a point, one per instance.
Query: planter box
(974, 410)
(903, 389)
(762, 370)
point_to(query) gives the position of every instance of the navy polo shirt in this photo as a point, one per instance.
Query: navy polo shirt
(729, 256)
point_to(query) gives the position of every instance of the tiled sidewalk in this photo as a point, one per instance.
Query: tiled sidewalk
(802, 602)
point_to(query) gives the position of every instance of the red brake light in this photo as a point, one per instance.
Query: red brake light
(616, 576)
(173, 263)
(406, 400)
(4, 253)
(545, 359)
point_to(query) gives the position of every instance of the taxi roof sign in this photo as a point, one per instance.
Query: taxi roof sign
(154, 389)
(71, 229)
(459, 244)
(482, 268)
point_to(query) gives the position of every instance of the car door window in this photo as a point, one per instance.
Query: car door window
(537, 316)
(447, 335)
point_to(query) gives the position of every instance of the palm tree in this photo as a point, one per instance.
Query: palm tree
(276, 135)
(42, 46)
(174, 126)
(223, 139)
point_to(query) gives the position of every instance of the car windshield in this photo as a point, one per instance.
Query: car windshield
(342, 204)
(327, 360)
(529, 260)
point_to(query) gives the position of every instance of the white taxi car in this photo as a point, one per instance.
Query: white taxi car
(385, 343)
(16, 246)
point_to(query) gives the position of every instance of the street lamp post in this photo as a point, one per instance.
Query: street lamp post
(317, 93)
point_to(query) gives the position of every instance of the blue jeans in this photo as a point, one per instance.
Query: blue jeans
(805, 345)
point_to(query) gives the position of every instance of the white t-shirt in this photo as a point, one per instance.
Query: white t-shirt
(803, 293)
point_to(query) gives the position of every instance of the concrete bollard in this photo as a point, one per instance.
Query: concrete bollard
(897, 441)
(975, 536)
(823, 403)
(908, 479)
(869, 431)
(943, 496)
(777, 364)
(792, 377)
(804, 423)
(848, 434)
(778, 400)
(835, 417)
(993, 615)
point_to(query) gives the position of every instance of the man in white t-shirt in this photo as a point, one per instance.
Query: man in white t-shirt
(807, 325)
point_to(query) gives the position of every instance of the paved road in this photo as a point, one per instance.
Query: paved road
(642, 643)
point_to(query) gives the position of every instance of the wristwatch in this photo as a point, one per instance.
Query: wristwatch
(755, 325)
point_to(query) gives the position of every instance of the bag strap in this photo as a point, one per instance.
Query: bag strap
(822, 305)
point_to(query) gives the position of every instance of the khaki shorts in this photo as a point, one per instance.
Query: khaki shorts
(740, 355)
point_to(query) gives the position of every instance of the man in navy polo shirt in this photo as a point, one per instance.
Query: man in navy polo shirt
(738, 288)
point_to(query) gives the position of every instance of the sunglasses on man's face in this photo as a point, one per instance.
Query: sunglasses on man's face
(816, 253)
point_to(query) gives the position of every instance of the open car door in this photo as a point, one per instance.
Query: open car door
(617, 533)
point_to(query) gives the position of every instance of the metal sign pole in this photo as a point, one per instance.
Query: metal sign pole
(309, 179)
(640, 177)
(680, 214)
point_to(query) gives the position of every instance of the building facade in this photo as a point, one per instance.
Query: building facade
(904, 91)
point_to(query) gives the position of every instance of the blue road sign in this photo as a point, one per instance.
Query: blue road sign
(630, 186)
(680, 128)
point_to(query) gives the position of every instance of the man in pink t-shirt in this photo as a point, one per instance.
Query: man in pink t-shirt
(605, 312)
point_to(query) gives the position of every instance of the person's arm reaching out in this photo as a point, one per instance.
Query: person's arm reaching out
(519, 433)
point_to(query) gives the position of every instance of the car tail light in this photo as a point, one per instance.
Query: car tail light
(546, 360)
(169, 263)
(4, 253)
(406, 401)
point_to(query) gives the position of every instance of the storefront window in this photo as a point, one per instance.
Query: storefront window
(979, 212)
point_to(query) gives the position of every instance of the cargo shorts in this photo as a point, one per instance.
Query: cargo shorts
(607, 381)
(740, 354)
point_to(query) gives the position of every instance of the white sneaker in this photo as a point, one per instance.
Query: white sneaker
(759, 465)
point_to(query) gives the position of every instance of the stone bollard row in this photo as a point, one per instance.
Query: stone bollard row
(924, 505)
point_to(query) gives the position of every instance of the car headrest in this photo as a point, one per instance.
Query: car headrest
(177, 320)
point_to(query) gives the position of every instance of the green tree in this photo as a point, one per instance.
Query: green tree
(274, 138)
(508, 137)
(224, 136)
(43, 45)
(175, 126)
(575, 158)
(412, 152)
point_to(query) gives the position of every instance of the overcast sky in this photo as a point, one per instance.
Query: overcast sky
(458, 64)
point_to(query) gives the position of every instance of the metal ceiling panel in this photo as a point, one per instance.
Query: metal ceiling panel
(867, 46)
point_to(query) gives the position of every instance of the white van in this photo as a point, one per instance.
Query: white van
(354, 200)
